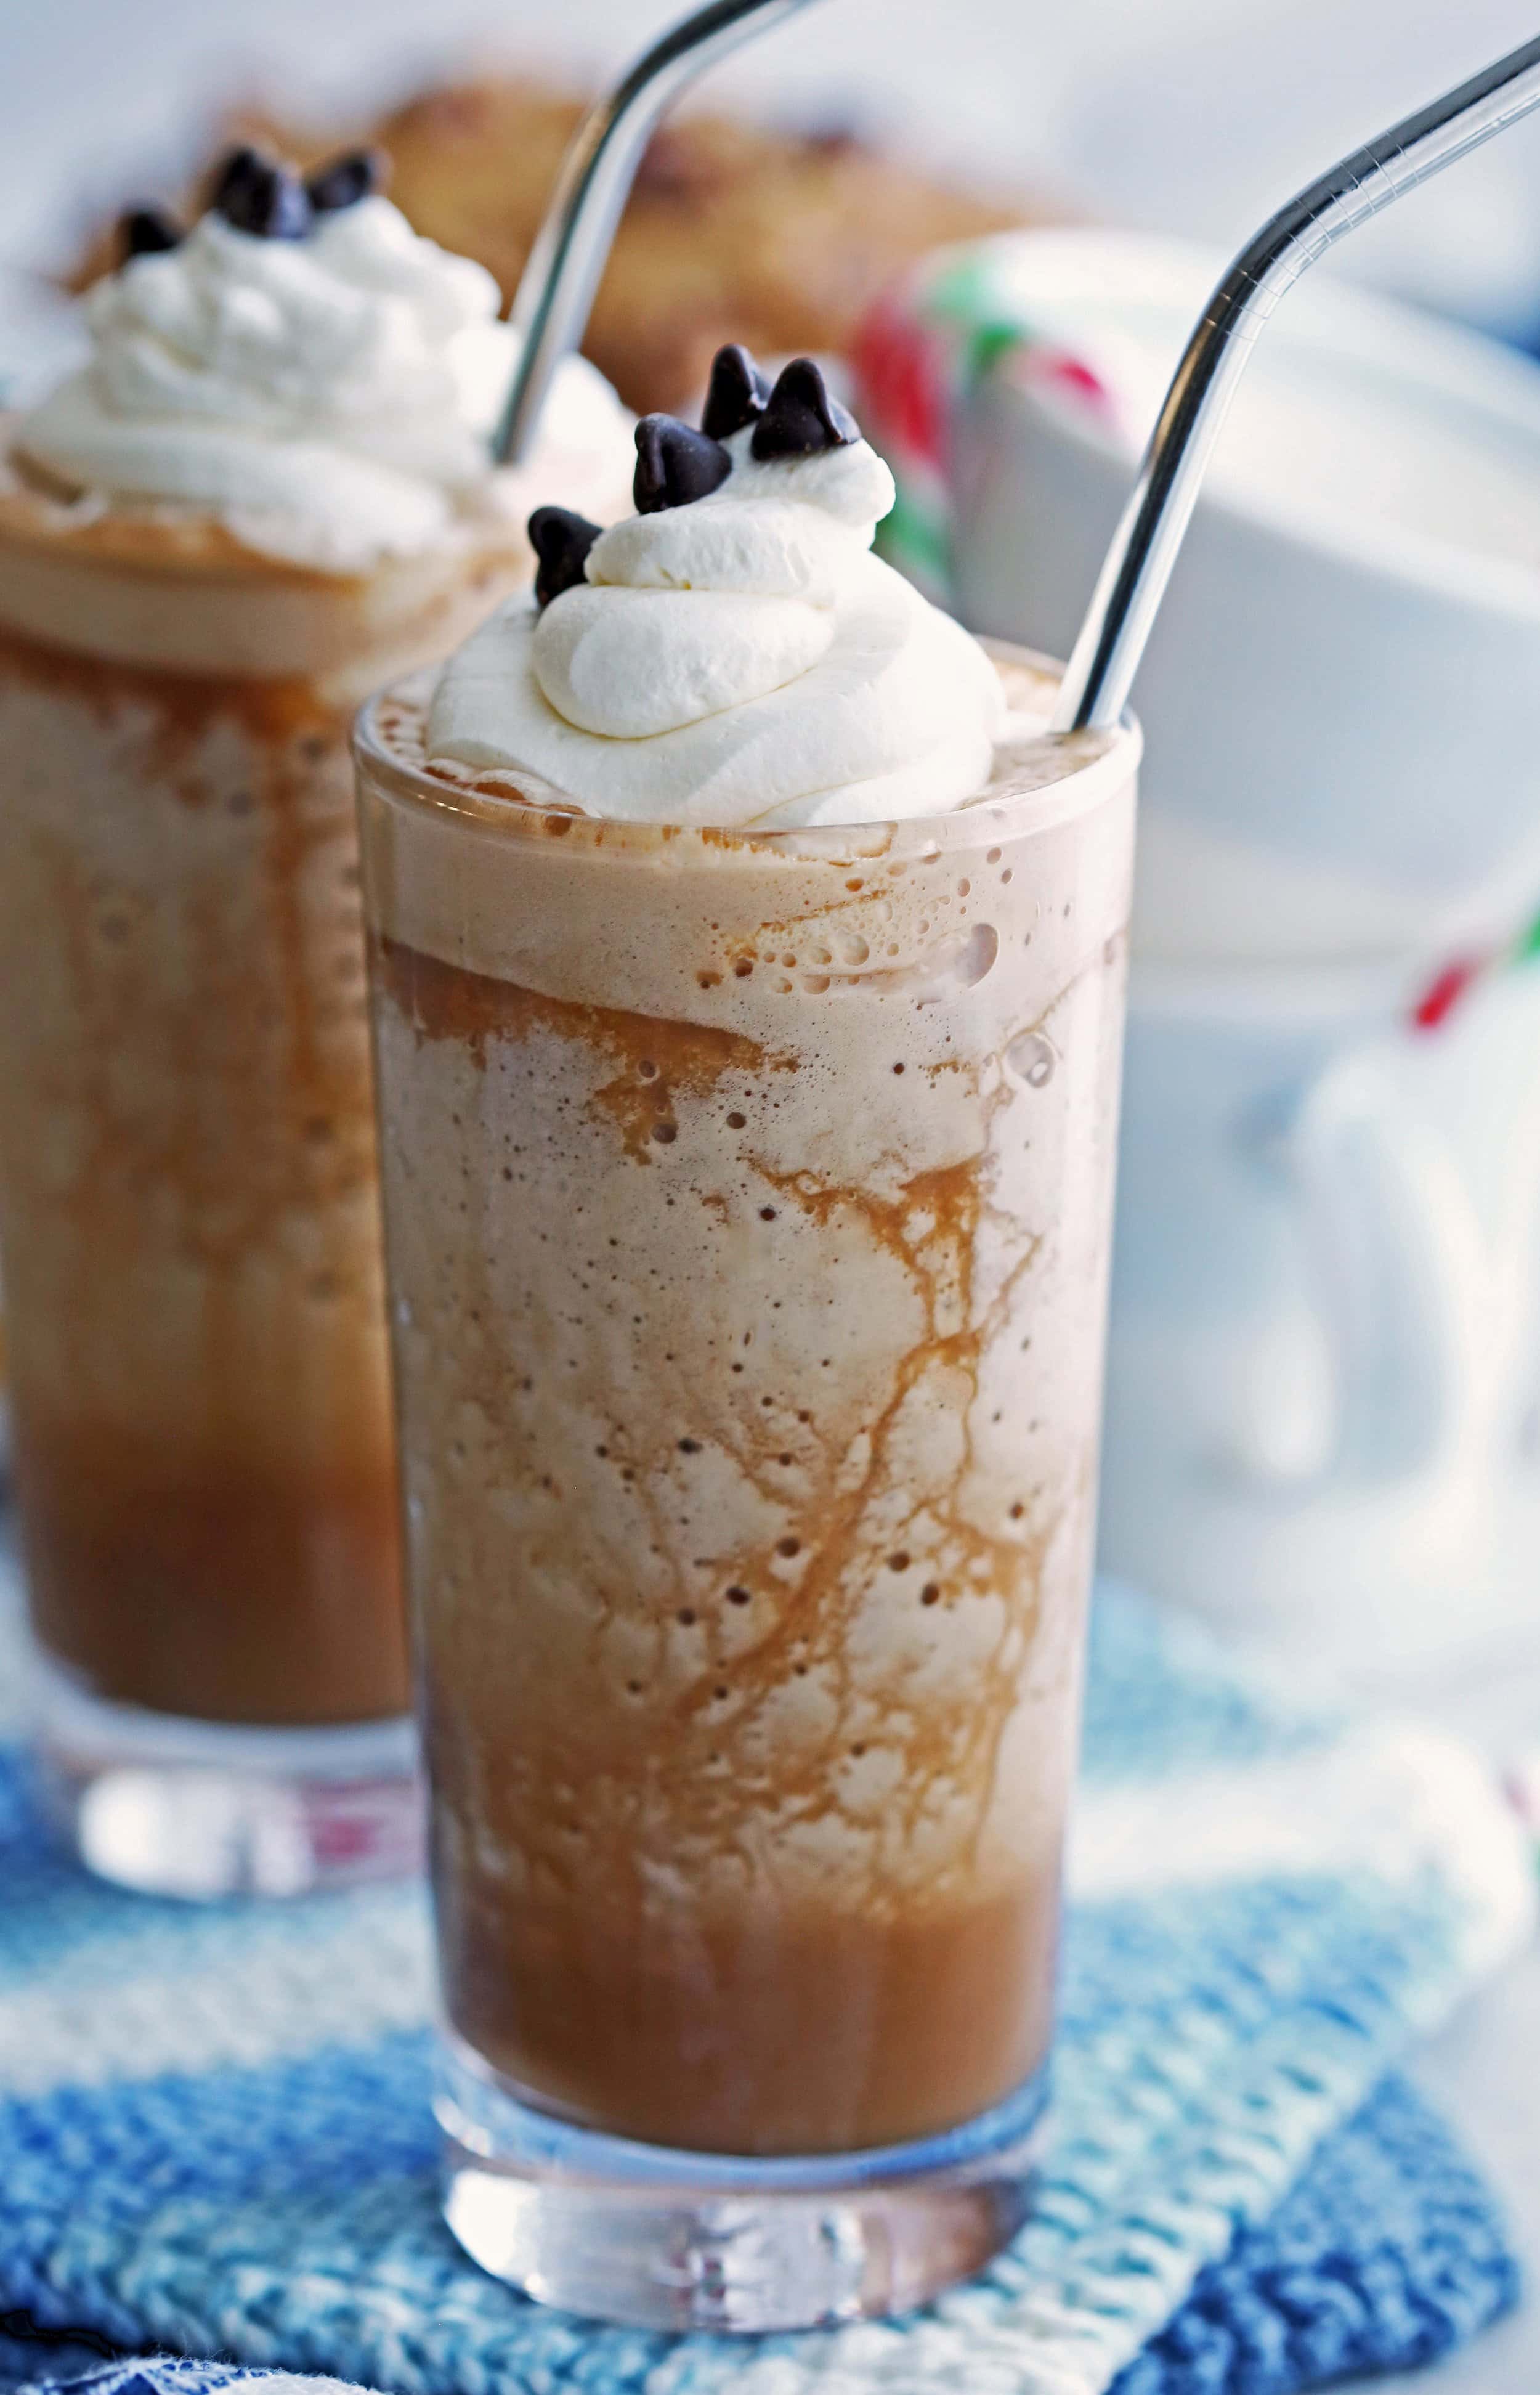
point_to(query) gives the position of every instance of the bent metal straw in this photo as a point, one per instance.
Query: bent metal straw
(1132, 579)
(557, 288)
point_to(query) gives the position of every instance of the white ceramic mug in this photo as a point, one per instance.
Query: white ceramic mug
(1324, 1360)
(1325, 1364)
(1341, 698)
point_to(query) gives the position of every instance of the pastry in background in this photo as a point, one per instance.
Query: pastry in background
(734, 233)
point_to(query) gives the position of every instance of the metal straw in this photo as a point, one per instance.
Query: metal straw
(1144, 548)
(557, 288)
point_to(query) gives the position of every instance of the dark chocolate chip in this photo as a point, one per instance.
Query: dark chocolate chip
(258, 195)
(342, 182)
(801, 417)
(674, 464)
(561, 541)
(146, 232)
(737, 394)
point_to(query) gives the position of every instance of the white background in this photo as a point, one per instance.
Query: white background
(1195, 115)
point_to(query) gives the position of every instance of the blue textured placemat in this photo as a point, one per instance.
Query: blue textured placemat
(1389, 2253)
(214, 2138)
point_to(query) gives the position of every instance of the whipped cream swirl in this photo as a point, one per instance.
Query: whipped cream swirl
(739, 660)
(330, 398)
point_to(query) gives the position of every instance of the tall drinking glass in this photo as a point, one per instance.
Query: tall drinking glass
(747, 1203)
(266, 491)
(188, 1209)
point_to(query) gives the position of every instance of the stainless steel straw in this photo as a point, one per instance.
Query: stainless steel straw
(1144, 547)
(557, 288)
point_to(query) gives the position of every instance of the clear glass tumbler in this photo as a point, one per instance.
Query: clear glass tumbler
(747, 1209)
(189, 1208)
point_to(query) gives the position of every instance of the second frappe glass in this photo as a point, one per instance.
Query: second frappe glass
(747, 1206)
(266, 492)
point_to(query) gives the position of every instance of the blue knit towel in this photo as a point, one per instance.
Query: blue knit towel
(1389, 2253)
(215, 2138)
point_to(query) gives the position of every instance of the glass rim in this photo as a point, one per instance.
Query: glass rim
(1111, 764)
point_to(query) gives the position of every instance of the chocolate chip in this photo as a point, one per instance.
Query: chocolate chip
(144, 232)
(342, 182)
(801, 417)
(737, 394)
(561, 541)
(675, 465)
(257, 195)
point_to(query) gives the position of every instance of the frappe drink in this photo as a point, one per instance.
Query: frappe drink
(748, 985)
(266, 490)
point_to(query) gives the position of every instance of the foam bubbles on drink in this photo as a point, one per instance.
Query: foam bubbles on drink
(1031, 1058)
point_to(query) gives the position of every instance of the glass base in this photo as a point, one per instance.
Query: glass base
(206, 1810)
(653, 2239)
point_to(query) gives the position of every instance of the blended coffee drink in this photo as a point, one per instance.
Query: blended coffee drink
(268, 489)
(748, 989)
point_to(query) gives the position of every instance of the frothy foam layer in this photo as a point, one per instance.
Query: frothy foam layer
(740, 660)
(329, 398)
